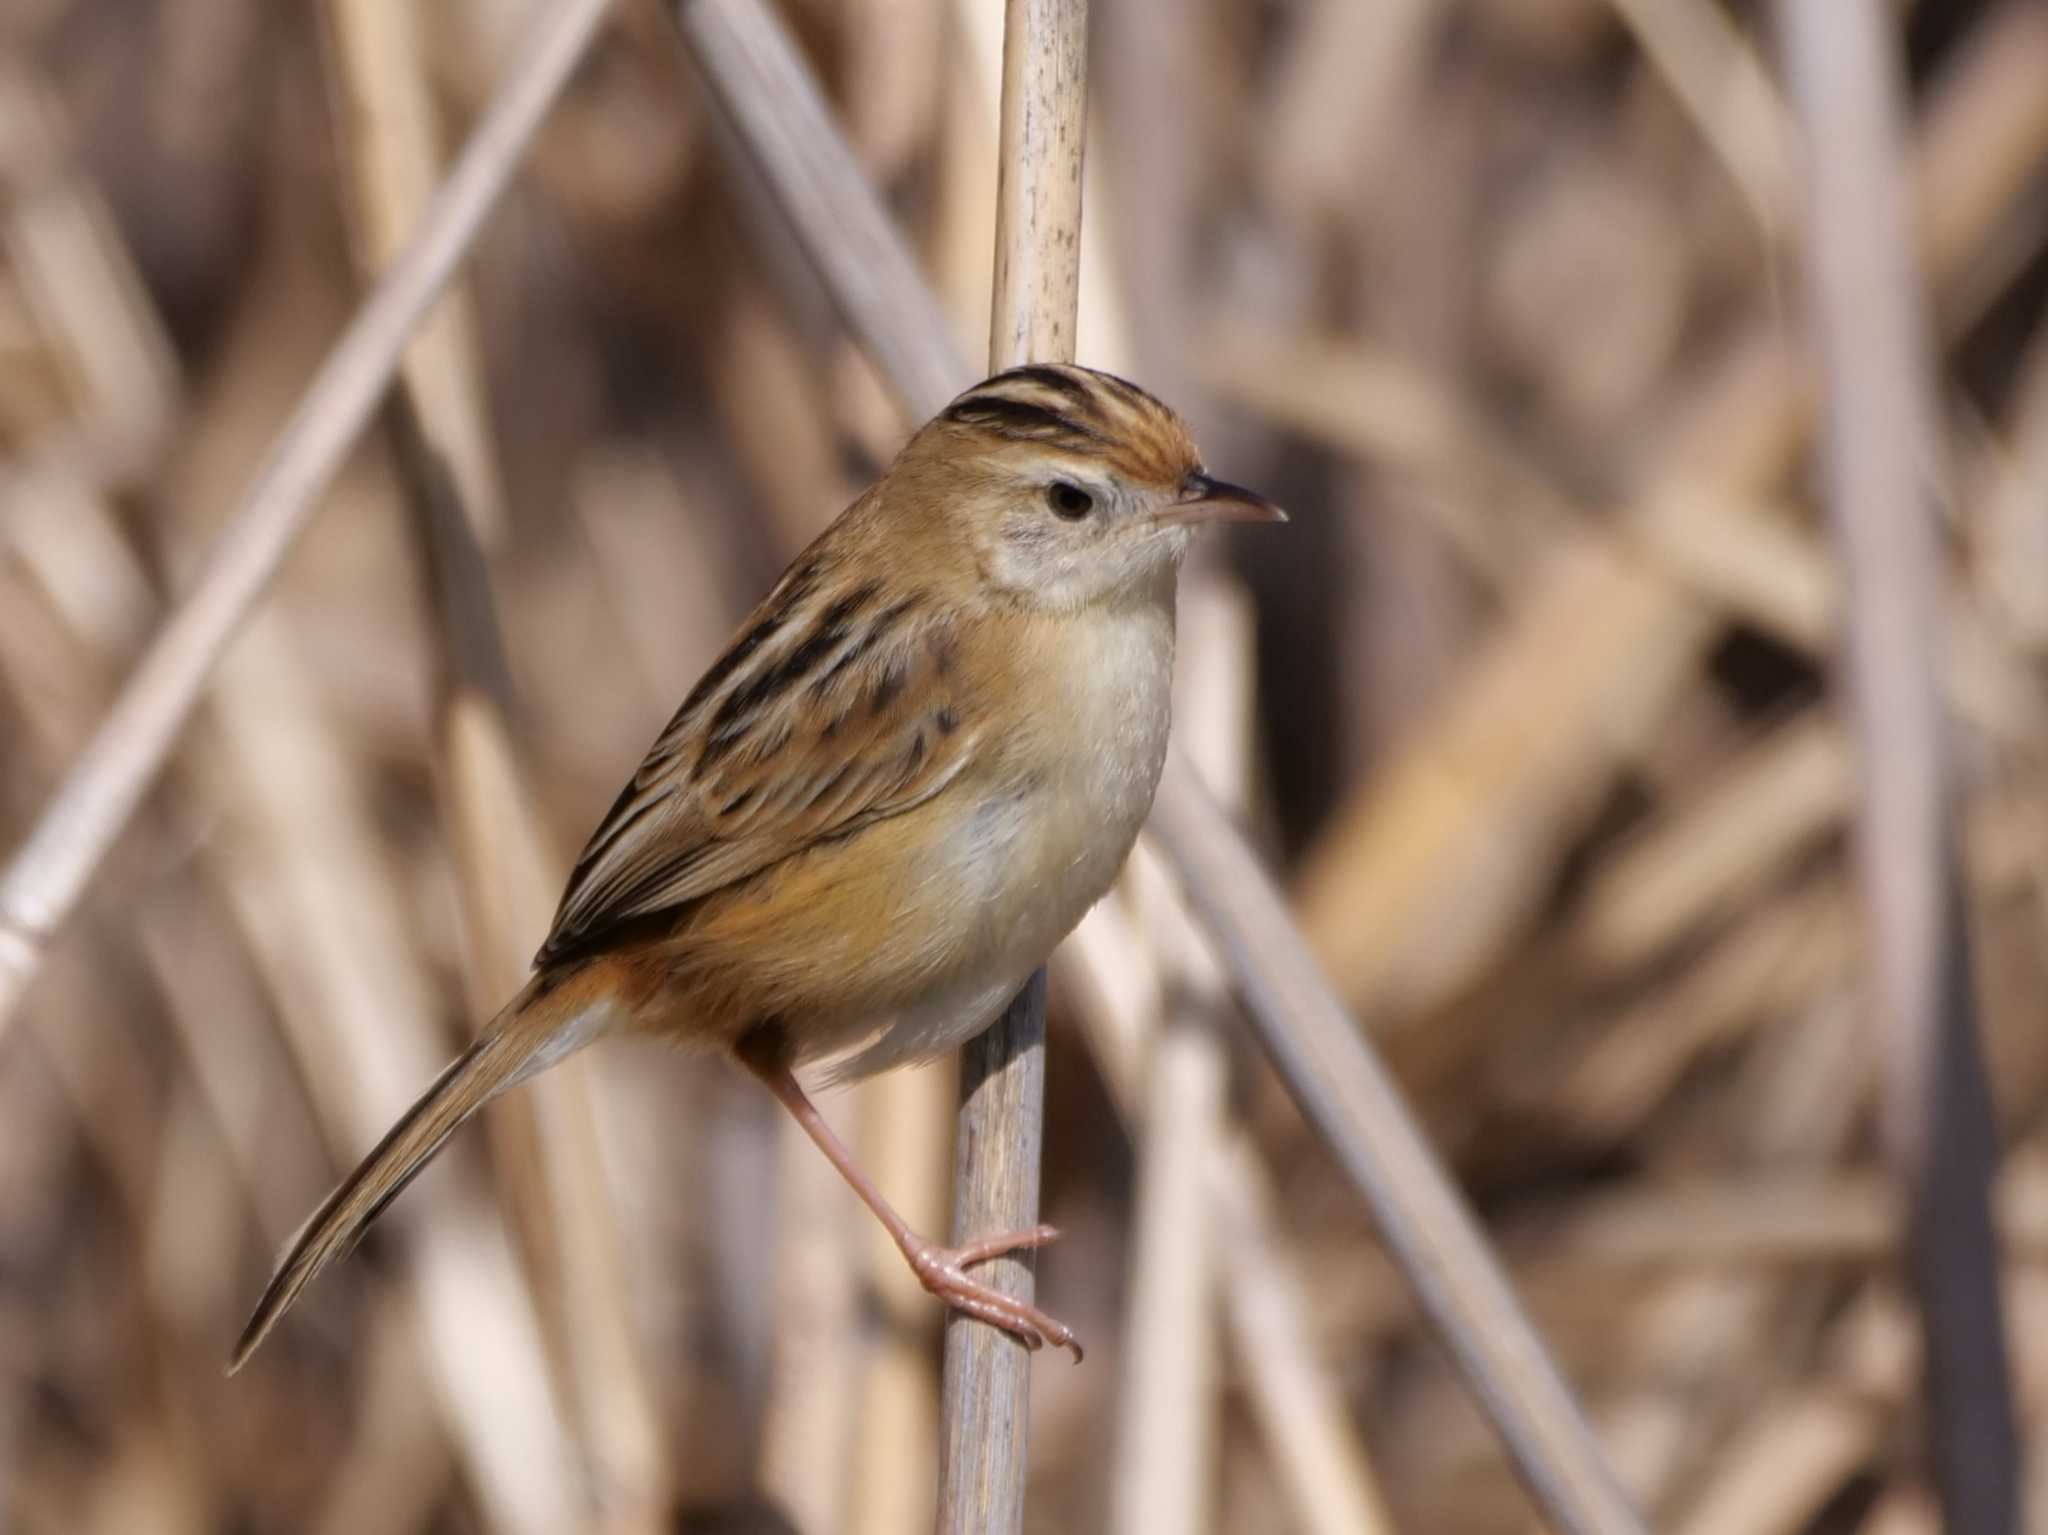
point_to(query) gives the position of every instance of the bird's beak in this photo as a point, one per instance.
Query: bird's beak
(1205, 499)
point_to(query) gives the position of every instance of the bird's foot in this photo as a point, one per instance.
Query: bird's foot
(943, 1272)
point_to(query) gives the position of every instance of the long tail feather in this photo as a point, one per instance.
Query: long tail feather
(535, 1030)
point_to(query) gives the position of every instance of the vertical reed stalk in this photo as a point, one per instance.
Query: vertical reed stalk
(505, 872)
(1881, 451)
(985, 1399)
(46, 876)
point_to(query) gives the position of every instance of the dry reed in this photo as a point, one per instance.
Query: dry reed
(1502, 299)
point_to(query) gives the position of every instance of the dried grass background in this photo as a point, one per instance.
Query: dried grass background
(1534, 703)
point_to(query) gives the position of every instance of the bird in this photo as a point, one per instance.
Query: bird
(924, 756)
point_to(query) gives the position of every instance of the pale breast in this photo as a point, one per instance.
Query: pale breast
(1083, 786)
(1034, 846)
(1118, 689)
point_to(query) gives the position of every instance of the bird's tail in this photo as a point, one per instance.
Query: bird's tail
(538, 1027)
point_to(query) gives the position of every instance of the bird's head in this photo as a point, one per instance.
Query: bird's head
(1068, 486)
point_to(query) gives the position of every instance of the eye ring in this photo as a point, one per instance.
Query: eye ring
(1068, 500)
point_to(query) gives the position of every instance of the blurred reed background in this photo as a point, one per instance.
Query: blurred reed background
(1536, 704)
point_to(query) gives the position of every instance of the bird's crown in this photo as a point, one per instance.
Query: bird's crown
(1078, 411)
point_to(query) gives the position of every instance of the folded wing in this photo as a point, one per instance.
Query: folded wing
(834, 708)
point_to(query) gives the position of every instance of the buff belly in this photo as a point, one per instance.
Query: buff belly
(1040, 850)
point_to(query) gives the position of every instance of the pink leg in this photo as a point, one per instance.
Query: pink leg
(941, 1270)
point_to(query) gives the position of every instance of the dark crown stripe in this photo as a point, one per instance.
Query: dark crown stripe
(1021, 420)
(1068, 385)
(1130, 391)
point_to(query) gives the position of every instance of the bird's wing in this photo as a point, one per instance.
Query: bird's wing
(834, 708)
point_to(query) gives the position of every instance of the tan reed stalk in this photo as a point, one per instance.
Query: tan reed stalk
(505, 873)
(1344, 1091)
(321, 922)
(907, 1143)
(318, 902)
(1881, 452)
(985, 1395)
(1323, 1469)
(1163, 1480)
(48, 873)
(1600, 645)
(78, 280)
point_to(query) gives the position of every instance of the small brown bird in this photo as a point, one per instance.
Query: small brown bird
(923, 759)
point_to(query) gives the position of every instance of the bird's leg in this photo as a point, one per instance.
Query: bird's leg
(941, 1270)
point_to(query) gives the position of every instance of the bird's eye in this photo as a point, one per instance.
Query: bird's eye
(1069, 500)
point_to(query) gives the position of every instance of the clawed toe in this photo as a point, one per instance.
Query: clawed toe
(971, 1253)
(942, 1271)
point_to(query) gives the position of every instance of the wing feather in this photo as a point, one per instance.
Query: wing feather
(829, 712)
